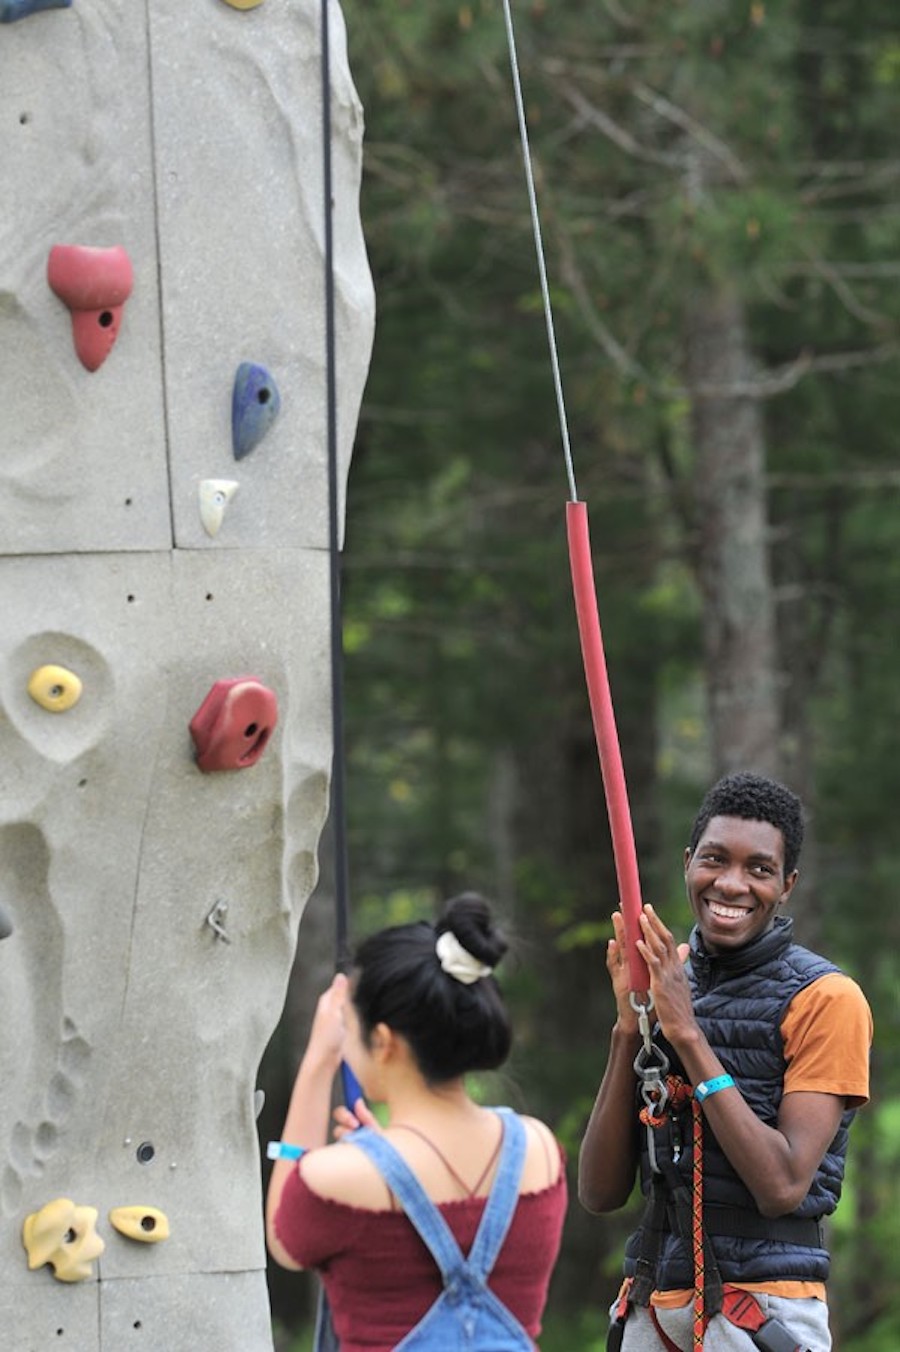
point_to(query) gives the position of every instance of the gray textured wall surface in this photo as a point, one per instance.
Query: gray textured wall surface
(188, 132)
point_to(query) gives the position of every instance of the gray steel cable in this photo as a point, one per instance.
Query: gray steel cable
(539, 250)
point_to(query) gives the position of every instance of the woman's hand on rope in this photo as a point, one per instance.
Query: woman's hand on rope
(328, 1032)
(347, 1120)
(668, 981)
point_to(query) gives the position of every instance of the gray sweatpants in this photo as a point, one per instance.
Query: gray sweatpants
(806, 1319)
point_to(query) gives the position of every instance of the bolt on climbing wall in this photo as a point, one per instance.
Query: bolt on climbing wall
(165, 729)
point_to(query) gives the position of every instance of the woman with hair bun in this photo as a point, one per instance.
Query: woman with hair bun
(440, 1231)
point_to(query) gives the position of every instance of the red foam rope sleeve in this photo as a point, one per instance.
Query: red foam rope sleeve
(604, 719)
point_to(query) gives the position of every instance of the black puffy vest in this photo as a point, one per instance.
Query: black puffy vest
(740, 999)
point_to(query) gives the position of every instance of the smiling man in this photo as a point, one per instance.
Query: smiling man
(769, 1044)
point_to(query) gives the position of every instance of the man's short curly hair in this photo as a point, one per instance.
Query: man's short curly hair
(754, 798)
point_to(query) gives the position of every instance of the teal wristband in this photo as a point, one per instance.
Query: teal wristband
(280, 1150)
(706, 1087)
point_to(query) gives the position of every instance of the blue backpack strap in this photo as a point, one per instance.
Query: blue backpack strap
(504, 1196)
(433, 1230)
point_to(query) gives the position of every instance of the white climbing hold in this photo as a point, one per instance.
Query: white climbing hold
(215, 495)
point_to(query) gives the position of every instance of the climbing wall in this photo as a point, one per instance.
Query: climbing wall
(164, 591)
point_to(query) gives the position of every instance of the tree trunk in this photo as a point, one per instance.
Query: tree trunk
(731, 528)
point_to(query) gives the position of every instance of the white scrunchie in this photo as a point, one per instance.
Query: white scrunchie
(456, 962)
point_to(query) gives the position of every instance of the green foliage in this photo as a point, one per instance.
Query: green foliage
(585, 1331)
(293, 1340)
(742, 233)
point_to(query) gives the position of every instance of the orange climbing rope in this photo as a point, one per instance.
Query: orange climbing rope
(655, 1115)
(699, 1324)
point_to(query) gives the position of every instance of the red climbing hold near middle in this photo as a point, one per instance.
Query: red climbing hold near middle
(234, 723)
(94, 284)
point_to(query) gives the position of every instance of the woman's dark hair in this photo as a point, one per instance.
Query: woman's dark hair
(754, 798)
(451, 1027)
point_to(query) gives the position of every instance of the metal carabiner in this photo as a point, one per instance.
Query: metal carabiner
(651, 1065)
(643, 1012)
(654, 1090)
(655, 1093)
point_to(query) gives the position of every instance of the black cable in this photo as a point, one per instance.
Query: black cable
(338, 809)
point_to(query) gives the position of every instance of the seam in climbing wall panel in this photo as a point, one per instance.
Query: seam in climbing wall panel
(158, 272)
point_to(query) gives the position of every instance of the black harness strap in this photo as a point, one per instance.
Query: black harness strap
(653, 1226)
(725, 1220)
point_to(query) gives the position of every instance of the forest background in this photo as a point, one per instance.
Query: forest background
(719, 186)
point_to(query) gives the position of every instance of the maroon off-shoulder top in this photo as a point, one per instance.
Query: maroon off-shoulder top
(381, 1279)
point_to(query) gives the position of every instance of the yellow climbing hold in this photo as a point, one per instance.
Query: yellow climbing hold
(243, 4)
(63, 1235)
(54, 688)
(143, 1223)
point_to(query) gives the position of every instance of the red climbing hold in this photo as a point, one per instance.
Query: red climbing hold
(94, 284)
(233, 724)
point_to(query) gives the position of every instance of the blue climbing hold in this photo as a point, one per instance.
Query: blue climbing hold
(255, 404)
(10, 10)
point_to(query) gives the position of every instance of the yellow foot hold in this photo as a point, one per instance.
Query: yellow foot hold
(63, 1235)
(143, 1223)
(243, 4)
(54, 688)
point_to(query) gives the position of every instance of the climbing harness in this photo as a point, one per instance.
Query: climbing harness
(673, 1126)
(740, 1308)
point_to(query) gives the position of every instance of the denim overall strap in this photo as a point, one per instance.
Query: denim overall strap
(424, 1215)
(504, 1196)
